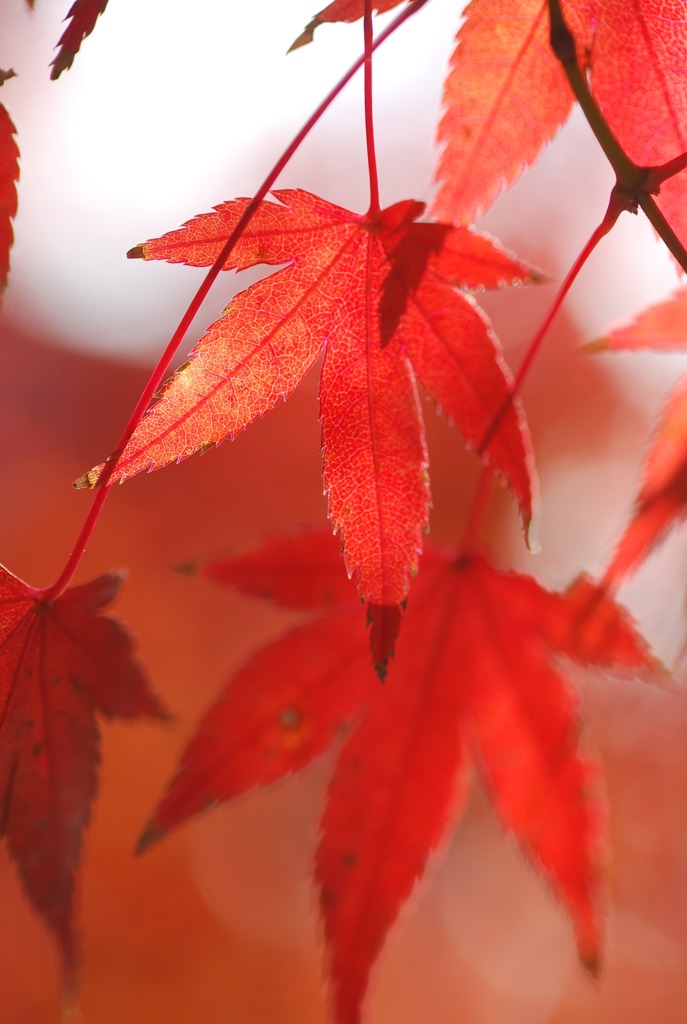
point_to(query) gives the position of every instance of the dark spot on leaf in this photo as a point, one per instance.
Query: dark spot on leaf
(290, 718)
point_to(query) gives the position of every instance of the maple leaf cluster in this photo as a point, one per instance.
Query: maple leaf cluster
(386, 301)
(475, 679)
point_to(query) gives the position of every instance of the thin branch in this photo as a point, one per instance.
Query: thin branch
(369, 113)
(616, 205)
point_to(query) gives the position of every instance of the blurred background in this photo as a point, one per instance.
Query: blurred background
(167, 111)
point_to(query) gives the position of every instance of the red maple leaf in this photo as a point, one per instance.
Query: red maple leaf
(477, 680)
(83, 14)
(379, 296)
(506, 95)
(340, 10)
(61, 662)
(661, 327)
(662, 498)
(9, 173)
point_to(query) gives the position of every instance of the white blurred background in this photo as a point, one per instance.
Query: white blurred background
(169, 109)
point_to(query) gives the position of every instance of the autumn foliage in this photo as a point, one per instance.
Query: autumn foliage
(417, 675)
(63, 661)
(412, 743)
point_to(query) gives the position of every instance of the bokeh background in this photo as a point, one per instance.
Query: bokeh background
(168, 110)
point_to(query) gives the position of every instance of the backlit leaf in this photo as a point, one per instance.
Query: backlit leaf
(504, 98)
(662, 498)
(660, 327)
(377, 296)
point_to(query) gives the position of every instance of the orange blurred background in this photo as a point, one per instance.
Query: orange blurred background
(218, 923)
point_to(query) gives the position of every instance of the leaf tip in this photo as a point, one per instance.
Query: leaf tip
(303, 40)
(136, 253)
(532, 537)
(149, 837)
(597, 345)
(537, 276)
(591, 961)
(161, 713)
(381, 668)
(384, 622)
(306, 36)
(88, 481)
